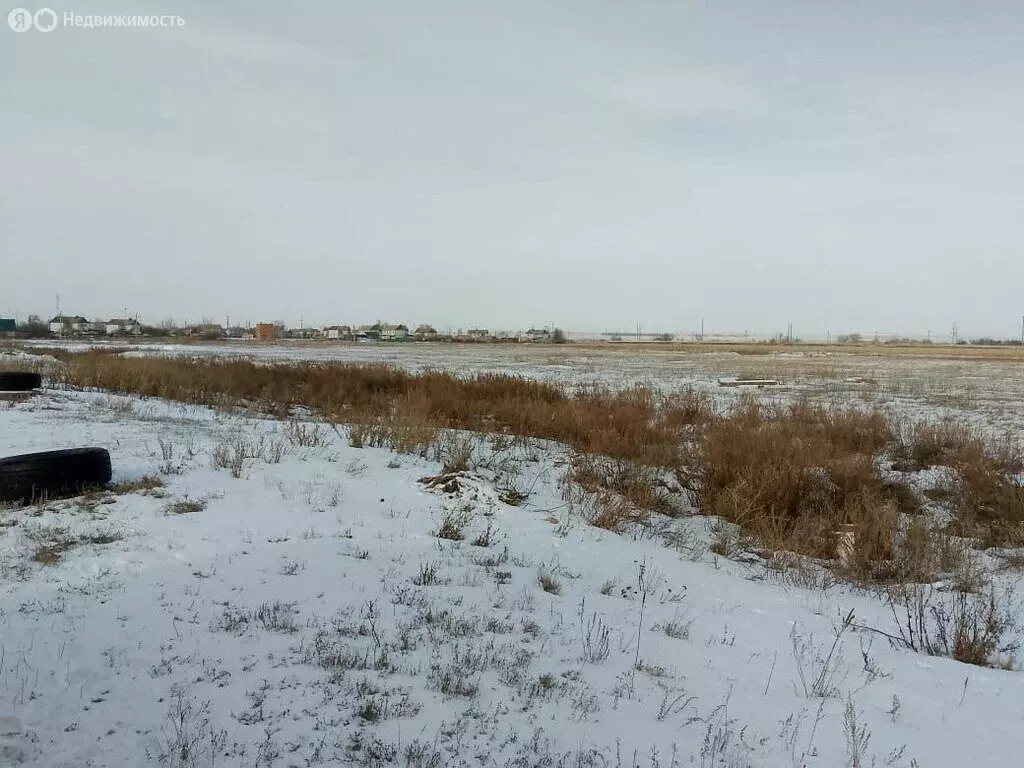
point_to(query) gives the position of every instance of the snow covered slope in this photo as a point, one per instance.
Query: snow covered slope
(306, 613)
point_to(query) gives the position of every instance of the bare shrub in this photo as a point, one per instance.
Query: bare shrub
(595, 637)
(918, 549)
(275, 451)
(972, 628)
(487, 537)
(857, 736)
(188, 740)
(987, 498)
(677, 628)
(686, 408)
(453, 525)
(455, 451)
(233, 620)
(923, 444)
(356, 468)
(185, 506)
(306, 435)
(873, 526)
(452, 680)
(549, 582)
(277, 617)
(291, 567)
(358, 435)
(233, 454)
(819, 670)
(727, 540)
(624, 491)
(903, 496)
(426, 575)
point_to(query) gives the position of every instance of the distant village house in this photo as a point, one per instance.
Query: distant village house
(206, 331)
(338, 332)
(393, 332)
(303, 333)
(119, 325)
(67, 324)
(266, 331)
(382, 332)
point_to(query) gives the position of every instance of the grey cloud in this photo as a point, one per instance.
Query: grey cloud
(843, 167)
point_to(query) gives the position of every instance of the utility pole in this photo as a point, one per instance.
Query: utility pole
(1022, 329)
(702, 330)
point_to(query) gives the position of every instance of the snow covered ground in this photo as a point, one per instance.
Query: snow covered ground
(306, 612)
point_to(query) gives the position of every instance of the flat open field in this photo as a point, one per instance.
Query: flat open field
(316, 603)
(330, 565)
(984, 385)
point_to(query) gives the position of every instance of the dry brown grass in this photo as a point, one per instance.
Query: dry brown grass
(54, 542)
(185, 506)
(986, 493)
(988, 503)
(921, 445)
(792, 476)
(147, 484)
(624, 491)
(399, 409)
(50, 554)
(789, 476)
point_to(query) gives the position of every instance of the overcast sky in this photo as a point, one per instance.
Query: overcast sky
(596, 164)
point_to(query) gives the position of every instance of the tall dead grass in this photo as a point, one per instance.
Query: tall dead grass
(925, 444)
(393, 406)
(791, 476)
(986, 491)
(988, 503)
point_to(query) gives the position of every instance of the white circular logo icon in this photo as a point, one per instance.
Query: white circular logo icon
(45, 19)
(20, 20)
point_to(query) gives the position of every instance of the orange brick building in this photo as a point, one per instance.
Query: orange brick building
(266, 331)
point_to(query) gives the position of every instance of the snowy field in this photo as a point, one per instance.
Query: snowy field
(987, 392)
(299, 608)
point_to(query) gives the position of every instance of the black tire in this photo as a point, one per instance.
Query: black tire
(19, 381)
(35, 476)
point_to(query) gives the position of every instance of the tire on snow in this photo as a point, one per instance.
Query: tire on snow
(34, 476)
(19, 381)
